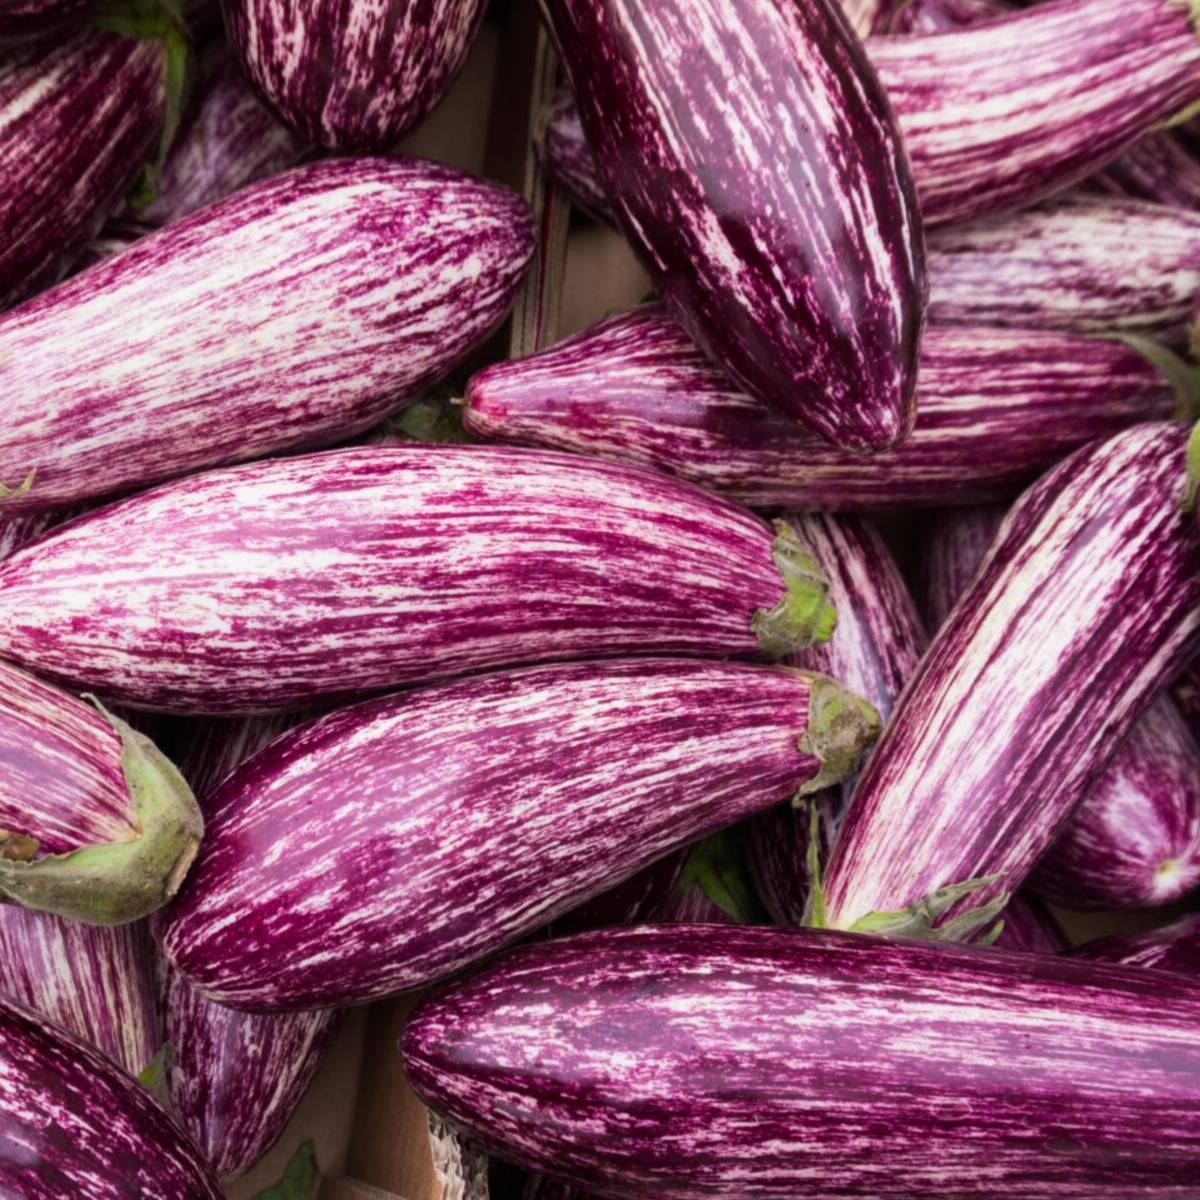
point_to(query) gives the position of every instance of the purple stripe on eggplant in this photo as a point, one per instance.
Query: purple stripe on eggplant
(227, 141)
(1174, 947)
(354, 75)
(1028, 928)
(235, 1078)
(791, 247)
(295, 312)
(565, 156)
(940, 16)
(954, 545)
(79, 118)
(466, 816)
(95, 823)
(875, 648)
(996, 408)
(265, 579)
(747, 1063)
(24, 20)
(74, 1124)
(1087, 604)
(96, 982)
(1161, 168)
(1091, 264)
(637, 898)
(1135, 840)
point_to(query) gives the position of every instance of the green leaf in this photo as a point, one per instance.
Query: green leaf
(713, 867)
(436, 418)
(299, 1179)
(814, 906)
(1193, 469)
(918, 919)
(153, 1076)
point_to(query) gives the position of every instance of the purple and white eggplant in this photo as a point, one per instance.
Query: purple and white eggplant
(356, 75)
(638, 898)
(566, 158)
(95, 823)
(874, 649)
(791, 247)
(1026, 927)
(263, 578)
(1160, 167)
(1174, 947)
(996, 408)
(24, 20)
(358, 283)
(1091, 264)
(75, 1124)
(1135, 840)
(747, 1063)
(226, 141)
(1088, 602)
(468, 815)
(79, 119)
(939, 16)
(95, 981)
(234, 1078)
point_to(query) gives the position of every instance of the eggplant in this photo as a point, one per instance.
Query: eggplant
(997, 407)
(1161, 168)
(95, 823)
(714, 887)
(1134, 841)
(358, 283)
(566, 158)
(1087, 604)
(356, 75)
(235, 1078)
(227, 141)
(749, 1063)
(636, 899)
(95, 981)
(24, 20)
(1091, 264)
(1174, 947)
(480, 810)
(75, 1124)
(264, 579)
(875, 648)
(940, 16)
(797, 264)
(79, 120)
(1026, 927)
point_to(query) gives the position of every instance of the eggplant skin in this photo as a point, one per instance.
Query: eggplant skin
(465, 816)
(352, 74)
(295, 312)
(791, 246)
(1174, 947)
(997, 407)
(749, 1063)
(79, 118)
(264, 578)
(23, 20)
(75, 1125)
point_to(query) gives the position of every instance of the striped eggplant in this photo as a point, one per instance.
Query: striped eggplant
(263, 578)
(79, 119)
(95, 981)
(875, 648)
(226, 141)
(940, 16)
(635, 899)
(1025, 926)
(73, 1124)
(748, 1063)
(564, 154)
(22, 20)
(954, 545)
(235, 1078)
(1160, 167)
(997, 407)
(714, 888)
(798, 265)
(1088, 602)
(1000, 115)
(467, 815)
(354, 75)
(1174, 947)
(358, 283)
(1092, 264)
(1134, 841)
(95, 823)
(871, 16)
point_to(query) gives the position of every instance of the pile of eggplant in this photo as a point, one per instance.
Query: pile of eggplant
(722, 716)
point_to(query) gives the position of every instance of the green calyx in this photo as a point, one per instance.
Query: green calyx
(814, 906)
(153, 1076)
(161, 19)
(1193, 469)
(115, 882)
(435, 417)
(15, 493)
(299, 1179)
(713, 867)
(803, 614)
(1183, 377)
(841, 726)
(918, 920)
